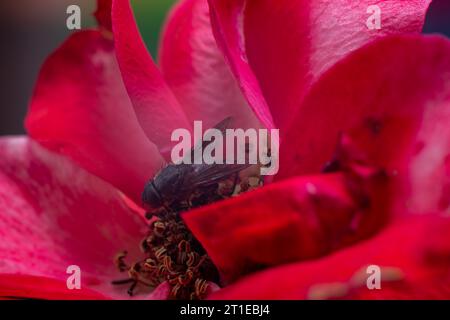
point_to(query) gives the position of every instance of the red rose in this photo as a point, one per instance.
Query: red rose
(364, 170)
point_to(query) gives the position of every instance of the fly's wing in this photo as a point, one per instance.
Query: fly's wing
(204, 175)
(221, 126)
(207, 175)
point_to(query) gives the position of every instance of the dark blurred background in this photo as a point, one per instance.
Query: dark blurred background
(31, 29)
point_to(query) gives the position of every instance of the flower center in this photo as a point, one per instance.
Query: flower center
(171, 252)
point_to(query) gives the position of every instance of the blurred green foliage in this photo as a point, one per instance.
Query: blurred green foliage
(150, 16)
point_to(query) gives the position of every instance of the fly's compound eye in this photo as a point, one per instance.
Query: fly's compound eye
(151, 196)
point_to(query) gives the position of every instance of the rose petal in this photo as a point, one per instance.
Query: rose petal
(413, 258)
(54, 214)
(225, 19)
(80, 109)
(162, 292)
(298, 219)
(394, 106)
(32, 287)
(196, 70)
(103, 14)
(157, 109)
(289, 44)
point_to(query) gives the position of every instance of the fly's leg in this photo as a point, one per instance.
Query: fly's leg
(186, 205)
(233, 189)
